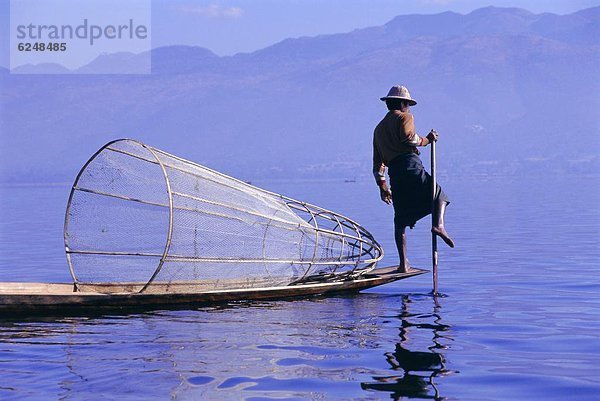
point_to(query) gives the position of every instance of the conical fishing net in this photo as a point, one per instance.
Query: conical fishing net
(140, 219)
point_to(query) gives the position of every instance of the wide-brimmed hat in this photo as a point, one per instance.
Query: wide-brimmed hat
(399, 92)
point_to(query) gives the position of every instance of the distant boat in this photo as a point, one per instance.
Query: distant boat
(350, 180)
(146, 229)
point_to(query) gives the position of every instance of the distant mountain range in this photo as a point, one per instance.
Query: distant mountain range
(509, 91)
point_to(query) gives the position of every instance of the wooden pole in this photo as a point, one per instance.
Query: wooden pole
(434, 254)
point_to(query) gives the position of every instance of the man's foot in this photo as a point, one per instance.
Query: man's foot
(403, 269)
(441, 232)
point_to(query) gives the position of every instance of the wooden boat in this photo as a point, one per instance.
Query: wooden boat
(147, 229)
(19, 299)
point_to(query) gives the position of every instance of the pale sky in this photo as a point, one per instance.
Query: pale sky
(231, 26)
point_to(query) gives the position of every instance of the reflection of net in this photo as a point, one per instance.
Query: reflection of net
(140, 216)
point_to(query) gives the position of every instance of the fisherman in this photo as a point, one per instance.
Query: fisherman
(395, 143)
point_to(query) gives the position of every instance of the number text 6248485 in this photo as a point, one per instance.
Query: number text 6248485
(42, 47)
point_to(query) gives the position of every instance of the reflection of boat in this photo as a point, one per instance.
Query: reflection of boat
(147, 228)
(34, 298)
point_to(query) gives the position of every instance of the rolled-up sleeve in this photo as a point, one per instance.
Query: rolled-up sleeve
(408, 134)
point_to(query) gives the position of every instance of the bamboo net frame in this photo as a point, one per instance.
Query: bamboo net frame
(141, 217)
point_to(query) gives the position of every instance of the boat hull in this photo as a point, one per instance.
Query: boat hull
(18, 299)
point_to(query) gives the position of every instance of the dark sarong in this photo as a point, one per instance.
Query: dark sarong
(411, 190)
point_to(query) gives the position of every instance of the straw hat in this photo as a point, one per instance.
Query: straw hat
(399, 92)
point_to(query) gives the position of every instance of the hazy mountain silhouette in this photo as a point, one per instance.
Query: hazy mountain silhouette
(509, 91)
(41, 68)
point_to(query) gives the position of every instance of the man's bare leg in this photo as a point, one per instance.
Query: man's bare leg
(400, 236)
(438, 228)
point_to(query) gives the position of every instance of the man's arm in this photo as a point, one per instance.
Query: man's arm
(378, 166)
(431, 137)
(411, 136)
(408, 134)
(385, 193)
(379, 174)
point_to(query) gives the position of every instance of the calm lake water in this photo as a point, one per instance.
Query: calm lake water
(519, 319)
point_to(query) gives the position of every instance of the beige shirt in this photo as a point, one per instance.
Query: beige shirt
(394, 135)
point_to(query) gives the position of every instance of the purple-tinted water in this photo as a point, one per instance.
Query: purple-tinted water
(520, 318)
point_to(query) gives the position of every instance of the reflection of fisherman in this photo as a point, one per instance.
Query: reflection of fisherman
(395, 144)
(414, 372)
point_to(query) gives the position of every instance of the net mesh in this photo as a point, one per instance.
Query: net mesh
(142, 217)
